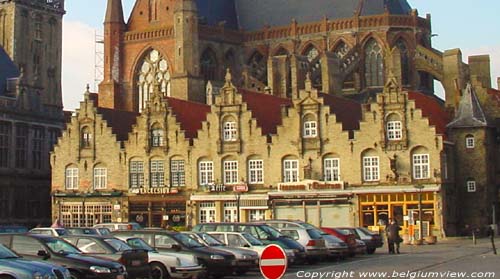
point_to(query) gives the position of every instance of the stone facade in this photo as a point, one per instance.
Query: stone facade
(31, 107)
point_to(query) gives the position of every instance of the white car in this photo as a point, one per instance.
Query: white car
(49, 231)
(167, 265)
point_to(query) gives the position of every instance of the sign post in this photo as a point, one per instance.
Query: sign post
(273, 262)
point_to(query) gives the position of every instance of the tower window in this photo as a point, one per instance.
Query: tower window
(470, 142)
(471, 186)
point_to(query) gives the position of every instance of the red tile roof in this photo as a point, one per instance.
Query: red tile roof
(120, 121)
(433, 109)
(190, 115)
(266, 109)
(348, 112)
(495, 95)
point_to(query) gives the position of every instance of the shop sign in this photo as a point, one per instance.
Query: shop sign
(176, 218)
(216, 188)
(240, 188)
(309, 185)
(116, 207)
(154, 191)
(325, 186)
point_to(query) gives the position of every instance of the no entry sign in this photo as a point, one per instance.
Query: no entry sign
(273, 262)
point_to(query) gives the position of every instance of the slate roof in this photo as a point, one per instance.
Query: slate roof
(7, 70)
(433, 109)
(253, 15)
(348, 112)
(470, 112)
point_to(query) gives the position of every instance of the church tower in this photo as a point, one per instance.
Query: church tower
(114, 27)
(38, 53)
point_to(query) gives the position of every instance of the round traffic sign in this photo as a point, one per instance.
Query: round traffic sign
(273, 262)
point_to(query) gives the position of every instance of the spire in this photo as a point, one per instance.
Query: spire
(470, 112)
(114, 12)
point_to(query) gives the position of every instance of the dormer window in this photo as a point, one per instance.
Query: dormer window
(86, 137)
(230, 132)
(470, 142)
(394, 130)
(156, 136)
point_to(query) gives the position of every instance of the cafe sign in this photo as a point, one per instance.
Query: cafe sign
(154, 191)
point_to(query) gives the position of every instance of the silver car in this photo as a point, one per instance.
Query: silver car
(311, 239)
(245, 259)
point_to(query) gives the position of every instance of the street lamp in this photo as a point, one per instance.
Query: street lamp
(419, 187)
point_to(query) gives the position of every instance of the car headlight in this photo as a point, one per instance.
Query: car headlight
(37, 275)
(216, 257)
(100, 269)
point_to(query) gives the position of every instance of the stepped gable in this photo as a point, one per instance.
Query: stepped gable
(190, 115)
(266, 109)
(348, 112)
(433, 109)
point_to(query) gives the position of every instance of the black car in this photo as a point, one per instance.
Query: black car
(218, 263)
(58, 251)
(136, 261)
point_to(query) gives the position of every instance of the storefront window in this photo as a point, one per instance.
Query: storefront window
(257, 215)
(230, 212)
(207, 212)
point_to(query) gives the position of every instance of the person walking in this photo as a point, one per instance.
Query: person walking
(393, 238)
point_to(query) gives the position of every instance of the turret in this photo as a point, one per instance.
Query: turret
(114, 26)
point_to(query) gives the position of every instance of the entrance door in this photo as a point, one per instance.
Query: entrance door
(397, 214)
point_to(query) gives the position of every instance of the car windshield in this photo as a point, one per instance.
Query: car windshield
(210, 240)
(365, 231)
(138, 243)
(254, 241)
(5, 253)
(61, 246)
(117, 244)
(188, 241)
(271, 231)
(314, 234)
(61, 232)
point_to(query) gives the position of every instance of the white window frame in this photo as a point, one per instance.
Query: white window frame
(157, 137)
(206, 172)
(470, 142)
(256, 171)
(207, 212)
(71, 178)
(230, 131)
(421, 166)
(100, 178)
(230, 172)
(290, 171)
(371, 168)
(177, 173)
(230, 211)
(394, 130)
(331, 172)
(136, 172)
(257, 215)
(310, 129)
(157, 173)
(471, 186)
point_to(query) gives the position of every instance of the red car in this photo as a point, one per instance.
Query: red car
(348, 238)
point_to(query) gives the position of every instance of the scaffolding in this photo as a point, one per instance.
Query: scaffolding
(98, 59)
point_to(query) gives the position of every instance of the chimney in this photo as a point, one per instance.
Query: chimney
(480, 66)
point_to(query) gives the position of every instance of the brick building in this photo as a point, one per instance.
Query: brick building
(226, 110)
(31, 115)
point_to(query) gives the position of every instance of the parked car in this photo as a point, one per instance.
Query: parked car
(58, 251)
(360, 247)
(13, 266)
(261, 231)
(371, 239)
(348, 238)
(336, 247)
(245, 259)
(247, 241)
(88, 231)
(119, 226)
(167, 264)
(218, 263)
(49, 231)
(312, 241)
(135, 260)
(13, 229)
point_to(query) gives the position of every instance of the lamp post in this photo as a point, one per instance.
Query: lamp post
(238, 197)
(419, 187)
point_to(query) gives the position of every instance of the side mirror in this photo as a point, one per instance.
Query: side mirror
(246, 245)
(43, 254)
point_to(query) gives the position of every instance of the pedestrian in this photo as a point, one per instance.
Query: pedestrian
(393, 238)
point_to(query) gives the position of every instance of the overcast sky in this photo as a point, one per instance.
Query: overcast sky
(472, 26)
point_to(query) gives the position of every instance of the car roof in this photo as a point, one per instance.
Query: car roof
(150, 231)
(89, 236)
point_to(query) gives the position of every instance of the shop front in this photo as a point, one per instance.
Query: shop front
(158, 207)
(88, 209)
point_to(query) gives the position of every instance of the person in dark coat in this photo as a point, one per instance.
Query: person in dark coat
(393, 238)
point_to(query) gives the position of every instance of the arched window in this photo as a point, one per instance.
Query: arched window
(177, 172)
(230, 130)
(154, 65)
(331, 168)
(290, 169)
(470, 142)
(71, 177)
(100, 177)
(156, 135)
(157, 173)
(208, 64)
(257, 65)
(314, 58)
(230, 61)
(394, 127)
(86, 137)
(341, 50)
(420, 163)
(310, 129)
(405, 61)
(374, 64)
(136, 173)
(371, 166)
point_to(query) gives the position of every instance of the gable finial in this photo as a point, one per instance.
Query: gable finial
(228, 77)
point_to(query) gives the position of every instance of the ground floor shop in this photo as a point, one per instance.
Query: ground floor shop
(157, 211)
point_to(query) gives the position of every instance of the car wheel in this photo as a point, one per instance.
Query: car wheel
(371, 250)
(75, 275)
(158, 271)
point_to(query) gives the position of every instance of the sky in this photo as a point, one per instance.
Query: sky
(472, 26)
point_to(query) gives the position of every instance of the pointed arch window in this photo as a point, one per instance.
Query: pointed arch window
(230, 61)
(154, 66)
(341, 50)
(405, 61)
(314, 58)
(257, 65)
(374, 64)
(208, 64)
